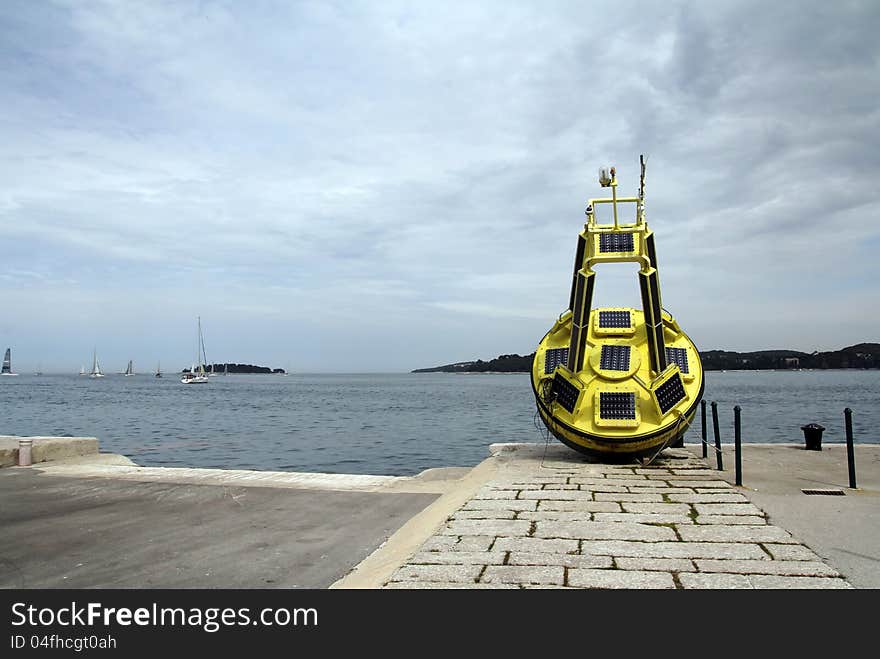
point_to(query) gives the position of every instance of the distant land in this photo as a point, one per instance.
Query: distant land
(240, 368)
(862, 355)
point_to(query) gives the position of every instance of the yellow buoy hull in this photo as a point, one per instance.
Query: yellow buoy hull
(583, 429)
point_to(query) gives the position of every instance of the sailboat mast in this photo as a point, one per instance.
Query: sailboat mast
(203, 358)
(198, 345)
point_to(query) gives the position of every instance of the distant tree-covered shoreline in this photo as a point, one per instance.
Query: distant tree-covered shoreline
(862, 355)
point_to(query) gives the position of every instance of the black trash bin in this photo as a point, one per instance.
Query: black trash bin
(813, 436)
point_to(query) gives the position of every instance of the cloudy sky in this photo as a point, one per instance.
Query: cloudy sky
(382, 186)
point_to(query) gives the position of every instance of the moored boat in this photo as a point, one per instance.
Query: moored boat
(197, 375)
(96, 367)
(7, 363)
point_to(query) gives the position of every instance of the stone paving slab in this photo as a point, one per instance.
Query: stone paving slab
(554, 523)
(726, 509)
(564, 560)
(718, 533)
(743, 581)
(662, 508)
(592, 506)
(708, 485)
(565, 495)
(525, 574)
(651, 497)
(644, 518)
(560, 515)
(688, 496)
(487, 526)
(723, 550)
(484, 514)
(500, 504)
(449, 585)
(591, 483)
(459, 558)
(748, 520)
(448, 573)
(655, 564)
(785, 568)
(789, 552)
(530, 545)
(620, 579)
(459, 543)
(604, 531)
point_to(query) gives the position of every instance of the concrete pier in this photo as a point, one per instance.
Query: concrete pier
(102, 522)
(529, 516)
(47, 448)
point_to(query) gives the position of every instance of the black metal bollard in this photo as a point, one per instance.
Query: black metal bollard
(737, 444)
(703, 414)
(717, 436)
(850, 451)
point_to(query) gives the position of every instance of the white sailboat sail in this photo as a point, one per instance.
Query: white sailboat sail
(96, 367)
(128, 369)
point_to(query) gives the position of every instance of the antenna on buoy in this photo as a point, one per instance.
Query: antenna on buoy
(640, 212)
(642, 162)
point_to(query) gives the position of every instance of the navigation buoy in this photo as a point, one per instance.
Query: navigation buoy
(617, 381)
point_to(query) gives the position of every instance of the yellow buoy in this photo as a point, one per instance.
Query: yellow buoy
(617, 381)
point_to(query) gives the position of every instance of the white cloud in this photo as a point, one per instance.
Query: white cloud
(418, 175)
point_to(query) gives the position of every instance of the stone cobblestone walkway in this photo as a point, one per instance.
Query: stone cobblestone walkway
(548, 521)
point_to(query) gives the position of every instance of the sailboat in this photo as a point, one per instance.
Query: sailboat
(128, 369)
(7, 363)
(197, 376)
(158, 370)
(82, 370)
(96, 367)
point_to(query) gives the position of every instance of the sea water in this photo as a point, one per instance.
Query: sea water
(395, 424)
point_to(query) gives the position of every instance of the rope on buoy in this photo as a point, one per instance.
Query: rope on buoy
(667, 442)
